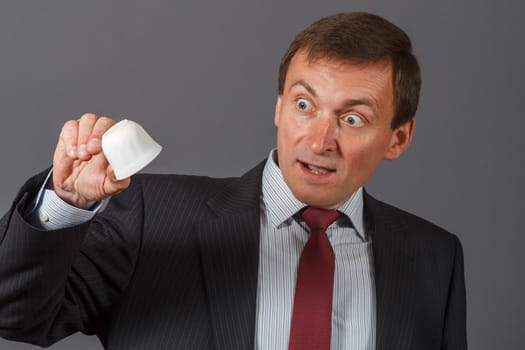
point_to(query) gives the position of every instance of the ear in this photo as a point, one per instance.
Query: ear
(277, 111)
(401, 138)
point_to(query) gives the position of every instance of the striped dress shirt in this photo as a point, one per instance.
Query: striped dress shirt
(283, 236)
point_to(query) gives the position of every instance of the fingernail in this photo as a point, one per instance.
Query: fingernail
(82, 150)
(94, 142)
(72, 151)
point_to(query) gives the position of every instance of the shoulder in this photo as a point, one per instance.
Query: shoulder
(181, 188)
(396, 222)
(151, 181)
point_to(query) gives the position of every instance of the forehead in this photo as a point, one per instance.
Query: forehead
(303, 59)
(342, 78)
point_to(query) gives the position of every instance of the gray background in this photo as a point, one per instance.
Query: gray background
(201, 75)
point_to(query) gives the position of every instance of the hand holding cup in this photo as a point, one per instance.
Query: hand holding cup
(81, 172)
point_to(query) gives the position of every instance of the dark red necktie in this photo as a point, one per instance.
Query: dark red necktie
(312, 308)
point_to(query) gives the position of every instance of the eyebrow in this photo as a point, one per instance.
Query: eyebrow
(346, 103)
(304, 84)
(361, 101)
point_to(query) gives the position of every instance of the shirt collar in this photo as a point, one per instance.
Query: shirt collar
(281, 205)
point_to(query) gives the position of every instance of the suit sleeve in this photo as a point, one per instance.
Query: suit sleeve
(455, 330)
(54, 283)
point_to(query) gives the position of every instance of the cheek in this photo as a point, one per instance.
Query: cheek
(284, 142)
(363, 151)
(290, 131)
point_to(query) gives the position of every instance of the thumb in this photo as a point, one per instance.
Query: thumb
(112, 185)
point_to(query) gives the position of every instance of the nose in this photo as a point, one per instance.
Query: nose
(323, 134)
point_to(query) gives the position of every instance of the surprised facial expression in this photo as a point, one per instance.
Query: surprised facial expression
(334, 127)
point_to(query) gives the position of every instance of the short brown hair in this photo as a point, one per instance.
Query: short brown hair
(363, 38)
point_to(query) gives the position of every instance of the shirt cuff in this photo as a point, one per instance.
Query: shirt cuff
(52, 213)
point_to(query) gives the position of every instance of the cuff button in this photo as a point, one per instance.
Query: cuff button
(44, 217)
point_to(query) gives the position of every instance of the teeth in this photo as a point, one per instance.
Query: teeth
(316, 170)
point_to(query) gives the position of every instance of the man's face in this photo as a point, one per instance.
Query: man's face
(334, 127)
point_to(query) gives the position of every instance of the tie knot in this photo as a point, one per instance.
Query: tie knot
(319, 218)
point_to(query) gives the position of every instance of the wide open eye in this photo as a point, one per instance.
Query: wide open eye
(354, 120)
(303, 104)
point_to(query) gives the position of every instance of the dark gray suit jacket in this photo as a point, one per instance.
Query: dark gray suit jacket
(172, 263)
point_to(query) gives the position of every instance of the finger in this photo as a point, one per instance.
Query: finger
(67, 143)
(66, 151)
(112, 185)
(111, 174)
(101, 126)
(85, 128)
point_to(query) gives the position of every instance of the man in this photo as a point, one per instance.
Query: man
(200, 263)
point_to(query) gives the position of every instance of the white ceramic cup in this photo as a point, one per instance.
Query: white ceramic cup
(128, 148)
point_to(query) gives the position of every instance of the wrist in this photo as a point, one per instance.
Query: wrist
(70, 197)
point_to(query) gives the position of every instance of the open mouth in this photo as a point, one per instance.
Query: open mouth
(316, 170)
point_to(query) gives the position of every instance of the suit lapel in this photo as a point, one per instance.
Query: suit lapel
(229, 248)
(395, 270)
